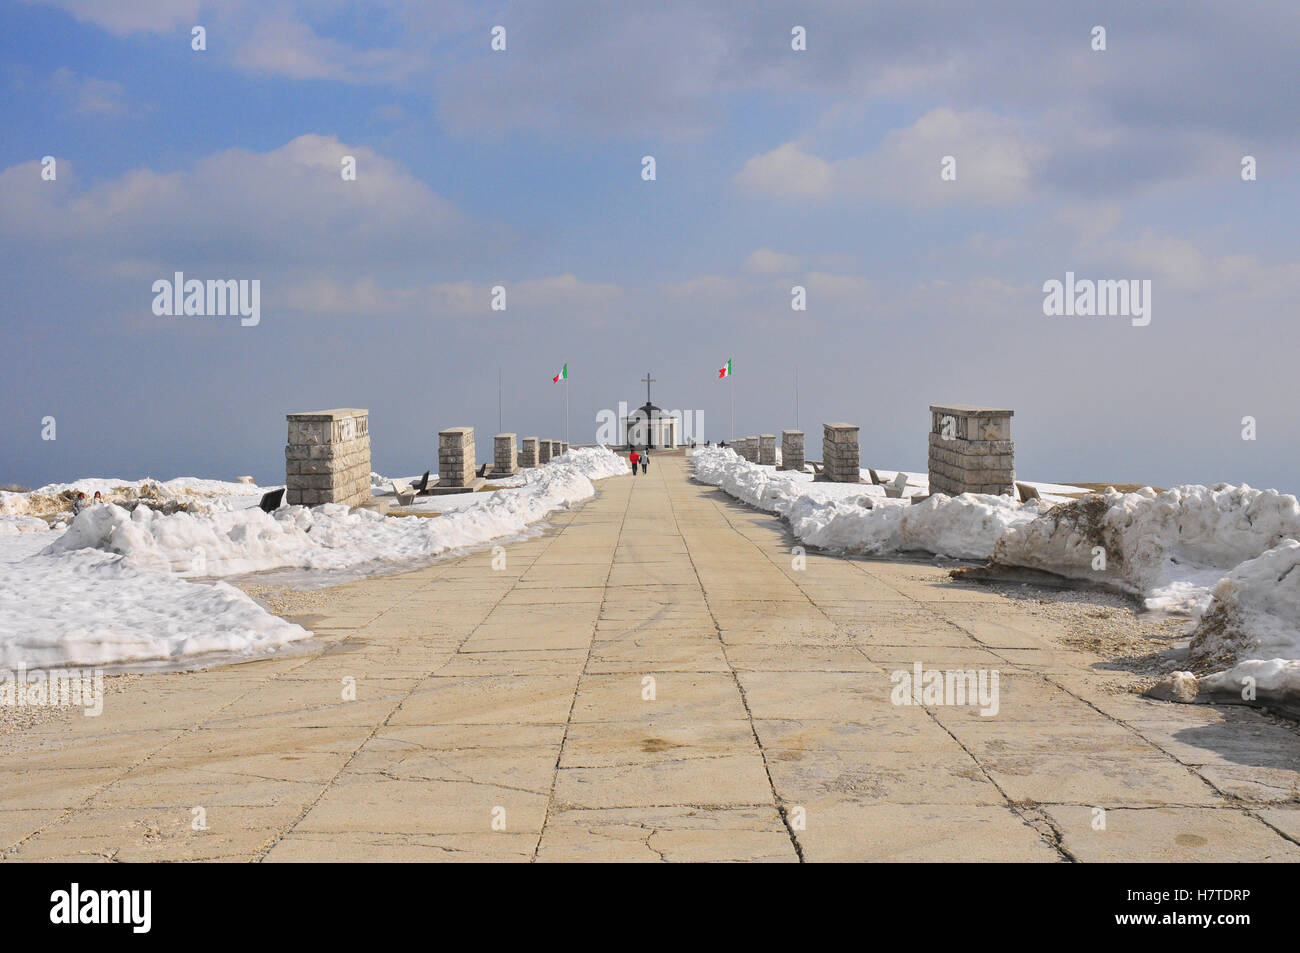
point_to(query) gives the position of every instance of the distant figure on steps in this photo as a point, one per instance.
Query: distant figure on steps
(634, 458)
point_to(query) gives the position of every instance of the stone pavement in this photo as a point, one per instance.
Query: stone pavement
(509, 714)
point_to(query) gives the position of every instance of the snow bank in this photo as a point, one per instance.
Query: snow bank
(91, 609)
(1169, 548)
(13, 525)
(1251, 627)
(201, 494)
(860, 518)
(113, 588)
(329, 537)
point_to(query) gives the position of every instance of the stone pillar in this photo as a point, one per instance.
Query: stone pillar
(971, 450)
(543, 451)
(555, 449)
(840, 453)
(791, 450)
(528, 454)
(564, 448)
(767, 449)
(327, 458)
(456, 456)
(503, 455)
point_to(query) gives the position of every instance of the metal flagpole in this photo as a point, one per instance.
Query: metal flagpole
(498, 398)
(796, 398)
(566, 408)
(732, 390)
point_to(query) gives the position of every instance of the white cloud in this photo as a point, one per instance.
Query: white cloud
(291, 48)
(131, 16)
(788, 172)
(765, 261)
(88, 96)
(993, 156)
(288, 207)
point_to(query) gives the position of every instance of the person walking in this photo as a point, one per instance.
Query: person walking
(634, 458)
(645, 460)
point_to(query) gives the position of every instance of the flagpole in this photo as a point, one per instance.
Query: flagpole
(566, 408)
(498, 398)
(732, 391)
(796, 398)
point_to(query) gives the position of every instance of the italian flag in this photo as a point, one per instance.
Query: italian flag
(562, 376)
(724, 371)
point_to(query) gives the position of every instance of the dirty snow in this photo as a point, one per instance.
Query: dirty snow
(114, 588)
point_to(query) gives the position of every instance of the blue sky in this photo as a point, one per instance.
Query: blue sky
(522, 168)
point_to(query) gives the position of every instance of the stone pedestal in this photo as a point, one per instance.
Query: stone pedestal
(840, 453)
(503, 455)
(456, 457)
(528, 453)
(555, 449)
(327, 458)
(971, 450)
(564, 448)
(791, 450)
(767, 449)
(543, 451)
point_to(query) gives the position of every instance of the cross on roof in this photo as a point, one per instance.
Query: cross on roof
(647, 380)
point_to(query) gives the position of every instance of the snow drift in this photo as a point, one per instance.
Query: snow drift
(113, 587)
(966, 526)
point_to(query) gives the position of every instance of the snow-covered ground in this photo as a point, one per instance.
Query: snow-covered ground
(858, 517)
(1222, 555)
(114, 586)
(202, 495)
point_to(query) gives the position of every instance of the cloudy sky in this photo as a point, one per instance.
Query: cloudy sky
(775, 168)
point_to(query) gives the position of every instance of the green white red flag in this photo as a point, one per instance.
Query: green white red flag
(725, 370)
(562, 376)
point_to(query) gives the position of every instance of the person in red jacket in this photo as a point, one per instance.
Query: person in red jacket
(633, 458)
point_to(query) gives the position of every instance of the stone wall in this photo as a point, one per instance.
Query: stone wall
(327, 458)
(767, 449)
(971, 450)
(543, 451)
(503, 455)
(840, 453)
(528, 453)
(456, 456)
(791, 450)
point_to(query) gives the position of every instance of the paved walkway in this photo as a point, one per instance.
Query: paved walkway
(653, 681)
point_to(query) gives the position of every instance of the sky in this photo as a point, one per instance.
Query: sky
(819, 168)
